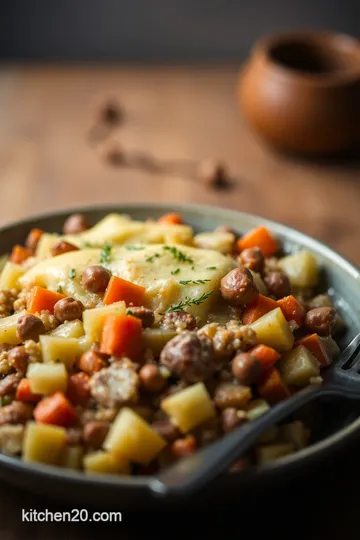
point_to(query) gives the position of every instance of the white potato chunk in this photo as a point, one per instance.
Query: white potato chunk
(298, 366)
(219, 241)
(8, 329)
(93, 318)
(60, 349)
(9, 278)
(155, 339)
(190, 407)
(272, 452)
(71, 329)
(72, 457)
(130, 437)
(45, 244)
(43, 443)
(301, 269)
(101, 462)
(272, 329)
(47, 378)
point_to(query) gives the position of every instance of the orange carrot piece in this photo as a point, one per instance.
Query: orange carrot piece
(119, 289)
(78, 389)
(33, 238)
(272, 388)
(42, 299)
(171, 219)
(19, 254)
(23, 392)
(258, 308)
(292, 309)
(260, 237)
(55, 409)
(121, 336)
(267, 355)
(314, 345)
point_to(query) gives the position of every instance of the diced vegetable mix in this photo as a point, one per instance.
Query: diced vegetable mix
(143, 341)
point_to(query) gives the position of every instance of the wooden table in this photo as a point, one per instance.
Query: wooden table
(175, 113)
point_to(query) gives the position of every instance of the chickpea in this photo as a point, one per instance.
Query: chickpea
(30, 327)
(151, 378)
(68, 309)
(238, 287)
(246, 368)
(95, 278)
(62, 247)
(76, 223)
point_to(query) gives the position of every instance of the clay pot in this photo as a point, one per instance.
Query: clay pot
(301, 92)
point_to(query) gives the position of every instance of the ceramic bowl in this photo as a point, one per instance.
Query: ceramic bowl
(301, 92)
(335, 426)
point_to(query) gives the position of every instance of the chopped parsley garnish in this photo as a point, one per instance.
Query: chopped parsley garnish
(88, 245)
(178, 255)
(174, 272)
(72, 273)
(211, 268)
(105, 254)
(152, 258)
(194, 281)
(59, 289)
(190, 302)
(129, 312)
(131, 247)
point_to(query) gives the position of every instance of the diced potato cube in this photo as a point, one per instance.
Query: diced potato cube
(259, 283)
(3, 260)
(190, 407)
(84, 344)
(218, 241)
(331, 347)
(8, 329)
(60, 349)
(9, 278)
(298, 366)
(93, 318)
(272, 452)
(72, 457)
(256, 408)
(71, 329)
(132, 438)
(301, 268)
(100, 462)
(43, 443)
(272, 329)
(156, 339)
(295, 433)
(47, 378)
(46, 242)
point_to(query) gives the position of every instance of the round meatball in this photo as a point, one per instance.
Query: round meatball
(76, 223)
(278, 284)
(62, 247)
(189, 356)
(238, 287)
(178, 320)
(253, 259)
(146, 316)
(30, 327)
(320, 320)
(68, 309)
(95, 278)
(115, 385)
(246, 368)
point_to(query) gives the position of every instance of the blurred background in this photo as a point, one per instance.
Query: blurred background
(170, 68)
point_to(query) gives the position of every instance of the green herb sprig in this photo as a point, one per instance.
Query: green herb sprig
(152, 258)
(105, 255)
(178, 255)
(194, 281)
(174, 272)
(72, 273)
(211, 268)
(190, 302)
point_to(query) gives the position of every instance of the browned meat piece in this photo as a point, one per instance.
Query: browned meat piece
(189, 356)
(116, 385)
(15, 413)
(178, 320)
(231, 395)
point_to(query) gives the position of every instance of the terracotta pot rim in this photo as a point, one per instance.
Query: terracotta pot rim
(338, 45)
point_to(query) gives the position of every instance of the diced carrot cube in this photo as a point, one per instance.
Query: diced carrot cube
(258, 308)
(260, 237)
(119, 289)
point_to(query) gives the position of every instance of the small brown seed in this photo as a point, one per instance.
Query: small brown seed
(30, 327)
(151, 378)
(246, 368)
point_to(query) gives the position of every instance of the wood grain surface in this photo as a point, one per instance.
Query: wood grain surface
(187, 113)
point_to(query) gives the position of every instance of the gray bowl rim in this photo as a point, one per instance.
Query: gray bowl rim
(314, 451)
